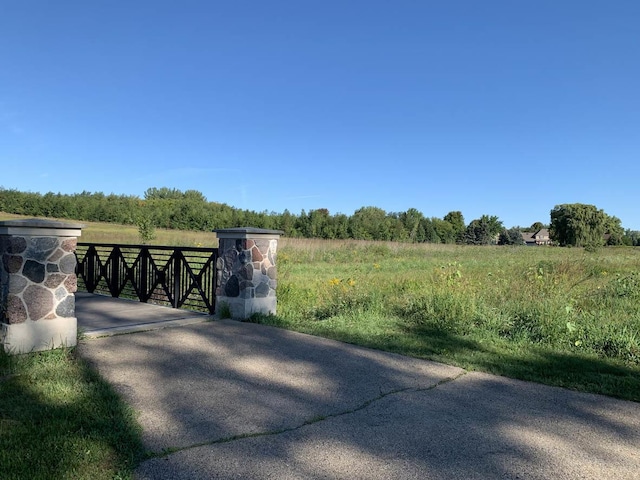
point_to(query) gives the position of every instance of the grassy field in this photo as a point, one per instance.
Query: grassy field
(558, 316)
(96, 232)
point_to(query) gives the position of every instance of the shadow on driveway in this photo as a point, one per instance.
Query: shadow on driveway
(237, 400)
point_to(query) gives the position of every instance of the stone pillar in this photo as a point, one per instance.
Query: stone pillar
(246, 271)
(37, 284)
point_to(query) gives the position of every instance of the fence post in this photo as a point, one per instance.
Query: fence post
(177, 278)
(247, 274)
(37, 284)
(144, 274)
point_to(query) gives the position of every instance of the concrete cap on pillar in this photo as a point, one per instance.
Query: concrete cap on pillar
(40, 227)
(246, 232)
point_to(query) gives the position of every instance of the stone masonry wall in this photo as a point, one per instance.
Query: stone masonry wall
(38, 278)
(246, 268)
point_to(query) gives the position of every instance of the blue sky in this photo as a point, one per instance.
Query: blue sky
(504, 108)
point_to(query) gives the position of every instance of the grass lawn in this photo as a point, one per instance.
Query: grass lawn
(59, 419)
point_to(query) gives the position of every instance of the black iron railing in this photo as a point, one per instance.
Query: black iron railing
(181, 277)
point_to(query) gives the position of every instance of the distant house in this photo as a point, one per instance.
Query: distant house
(541, 237)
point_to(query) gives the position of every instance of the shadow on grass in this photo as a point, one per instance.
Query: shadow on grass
(59, 419)
(233, 400)
(585, 373)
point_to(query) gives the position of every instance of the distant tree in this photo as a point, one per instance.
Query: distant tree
(483, 231)
(163, 193)
(512, 236)
(631, 238)
(427, 231)
(456, 220)
(146, 230)
(536, 226)
(370, 223)
(614, 230)
(580, 225)
(444, 230)
(411, 221)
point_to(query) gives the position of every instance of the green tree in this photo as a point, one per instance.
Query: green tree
(631, 238)
(483, 231)
(512, 236)
(536, 226)
(457, 222)
(369, 223)
(615, 231)
(444, 230)
(146, 229)
(411, 221)
(580, 225)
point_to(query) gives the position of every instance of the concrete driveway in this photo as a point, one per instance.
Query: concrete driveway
(225, 399)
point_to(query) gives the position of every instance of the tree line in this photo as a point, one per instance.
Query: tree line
(190, 210)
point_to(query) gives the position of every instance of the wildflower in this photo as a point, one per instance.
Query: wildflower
(334, 281)
(351, 282)
(376, 265)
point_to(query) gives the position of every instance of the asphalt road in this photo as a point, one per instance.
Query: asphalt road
(240, 400)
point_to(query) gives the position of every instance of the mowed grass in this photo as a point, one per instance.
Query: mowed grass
(59, 419)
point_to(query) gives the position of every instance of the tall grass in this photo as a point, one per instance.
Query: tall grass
(528, 312)
(98, 232)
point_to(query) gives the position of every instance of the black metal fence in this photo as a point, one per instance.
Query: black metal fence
(181, 277)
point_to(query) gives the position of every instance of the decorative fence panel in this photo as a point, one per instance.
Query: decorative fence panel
(181, 277)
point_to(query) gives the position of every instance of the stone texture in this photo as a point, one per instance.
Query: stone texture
(272, 273)
(60, 293)
(16, 245)
(263, 245)
(17, 283)
(246, 272)
(16, 311)
(262, 290)
(232, 288)
(70, 244)
(56, 255)
(229, 258)
(256, 255)
(12, 263)
(40, 248)
(38, 280)
(34, 271)
(68, 263)
(38, 300)
(54, 280)
(67, 307)
(71, 283)
(244, 256)
(249, 273)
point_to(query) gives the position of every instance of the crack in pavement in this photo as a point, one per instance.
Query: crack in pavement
(170, 450)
